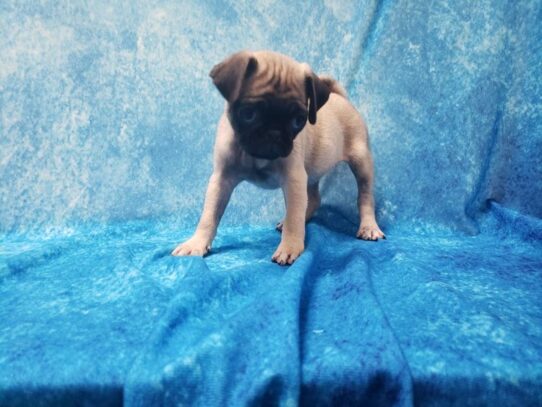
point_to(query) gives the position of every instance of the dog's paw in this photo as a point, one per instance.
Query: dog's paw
(288, 251)
(370, 232)
(279, 226)
(192, 247)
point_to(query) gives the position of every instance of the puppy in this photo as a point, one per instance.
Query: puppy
(283, 127)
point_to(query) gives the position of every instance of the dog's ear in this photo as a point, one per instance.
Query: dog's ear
(317, 92)
(228, 76)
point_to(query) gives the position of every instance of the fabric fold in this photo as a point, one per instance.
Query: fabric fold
(314, 335)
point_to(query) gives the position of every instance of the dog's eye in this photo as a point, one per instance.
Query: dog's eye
(248, 114)
(298, 122)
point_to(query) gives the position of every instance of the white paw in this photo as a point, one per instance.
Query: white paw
(192, 247)
(288, 251)
(370, 232)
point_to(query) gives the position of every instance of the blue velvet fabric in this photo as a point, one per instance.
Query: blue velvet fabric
(107, 120)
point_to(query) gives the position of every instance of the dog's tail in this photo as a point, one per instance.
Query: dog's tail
(333, 85)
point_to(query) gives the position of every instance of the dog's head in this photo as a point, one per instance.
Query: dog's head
(270, 97)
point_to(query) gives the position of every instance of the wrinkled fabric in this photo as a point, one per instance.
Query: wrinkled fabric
(107, 316)
(107, 120)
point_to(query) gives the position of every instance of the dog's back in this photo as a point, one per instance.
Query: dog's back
(339, 132)
(334, 85)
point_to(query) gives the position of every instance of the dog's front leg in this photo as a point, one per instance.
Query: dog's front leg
(217, 197)
(292, 242)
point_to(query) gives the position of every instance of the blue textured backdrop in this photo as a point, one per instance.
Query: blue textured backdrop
(108, 112)
(107, 120)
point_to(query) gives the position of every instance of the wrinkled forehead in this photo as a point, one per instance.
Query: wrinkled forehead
(276, 77)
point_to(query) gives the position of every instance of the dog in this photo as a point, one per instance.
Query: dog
(283, 127)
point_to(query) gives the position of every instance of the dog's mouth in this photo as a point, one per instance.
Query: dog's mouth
(266, 149)
(267, 154)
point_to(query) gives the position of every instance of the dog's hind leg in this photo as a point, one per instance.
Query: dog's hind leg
(361, 164)
(314, 200)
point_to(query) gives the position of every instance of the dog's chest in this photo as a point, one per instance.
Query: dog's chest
(263, 173)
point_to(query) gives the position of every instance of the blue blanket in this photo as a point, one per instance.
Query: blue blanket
(106, 315)
(107, 121)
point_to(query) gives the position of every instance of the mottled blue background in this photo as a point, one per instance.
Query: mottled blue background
(107, 121)
(107, 111)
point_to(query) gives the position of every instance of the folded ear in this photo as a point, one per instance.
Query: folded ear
(317, 93)
(228, 76)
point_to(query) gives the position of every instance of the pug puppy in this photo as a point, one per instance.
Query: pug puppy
(283, 127)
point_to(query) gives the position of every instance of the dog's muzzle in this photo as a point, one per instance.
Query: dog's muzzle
(270, 145)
